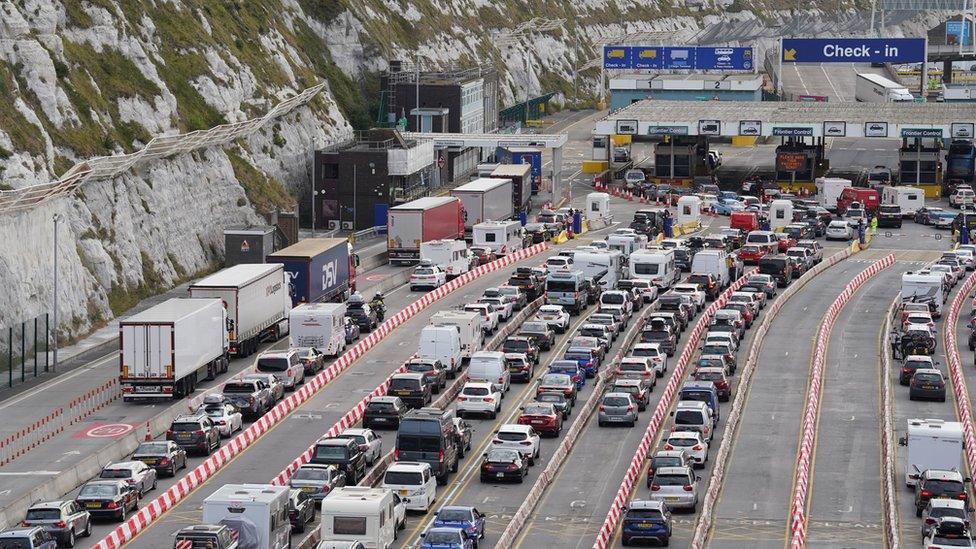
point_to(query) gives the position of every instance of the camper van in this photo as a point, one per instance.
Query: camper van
(258, 513)
(354, 513)
(910, 199)
(655, 265)
(318, 325)
(450, 255)
(932, 444)
(503, 237)
(606, 266)
(565, 287)
(780, 214)
(470, 329)
(924, 288)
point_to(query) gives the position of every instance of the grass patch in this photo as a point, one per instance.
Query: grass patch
(23, 135)
(265, 193)
(178, 71)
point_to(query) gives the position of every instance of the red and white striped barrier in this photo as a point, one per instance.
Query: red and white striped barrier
(735, 413)
(54, 423)
(808, 427)
(177, 492)
(888, 483)
(657, 420)
(963, 404)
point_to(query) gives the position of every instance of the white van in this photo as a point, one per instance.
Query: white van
(780, 214)
(713, 262)
(490, 367)
(470, 327)
(318, 325)
(354, 513)
(654, 265)
(442, 343)
(503, 237)
(829, 189)
(910, 199)
(764, 239)
(450, 255)
(932, 444)
(414, 482)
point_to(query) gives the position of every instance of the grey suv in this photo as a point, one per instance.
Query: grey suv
(65, 520)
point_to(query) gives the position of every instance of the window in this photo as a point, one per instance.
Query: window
(686, 210)
(646, 268)
(349, 526)
(490, 237)
(382, 517)
(330, 170)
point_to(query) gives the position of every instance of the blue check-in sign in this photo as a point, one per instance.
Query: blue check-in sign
(853, 50)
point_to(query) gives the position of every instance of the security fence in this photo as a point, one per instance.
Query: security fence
(25, 349)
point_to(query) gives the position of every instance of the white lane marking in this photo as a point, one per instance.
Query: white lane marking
(59, 380)
(29, 473)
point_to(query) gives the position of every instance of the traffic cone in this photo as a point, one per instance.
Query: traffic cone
(149, 436)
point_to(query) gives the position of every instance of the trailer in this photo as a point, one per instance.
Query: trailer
(521, 176)
(318, 269)
(874, 88)
(450, 255)
(257, 513)
(932, 444)
(318, 325)
(503, 237)
(485, 199)
(423, 220)
(257, 303)
(470, 328)
(829, 189)
(524, 155)
(166, 350)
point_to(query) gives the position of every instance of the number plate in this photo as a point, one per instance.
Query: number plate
(403, 493)
(93, 505)
(499, 475)
(403, 393)
(672, 498)
(308, 489)
(644, 525)
(537, 422)
(145, 389)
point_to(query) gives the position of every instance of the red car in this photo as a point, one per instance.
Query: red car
(751, 254)
(483, 254)
(543, 417)
(785, 242)
(718, 378)
(744, 309)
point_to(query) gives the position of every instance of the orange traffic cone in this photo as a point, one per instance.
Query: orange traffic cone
(149, 436)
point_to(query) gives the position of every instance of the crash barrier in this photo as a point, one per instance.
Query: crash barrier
(735, 413)
(515, 525)
(660, 413)
(811, 414)
(353, 416)
(963, 404)
(890, 515)
(161, 146)
(157, 507)
(54, 423)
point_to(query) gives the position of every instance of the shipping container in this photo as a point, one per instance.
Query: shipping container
(423, 220)
(521, 176)
(166, 350)
(318, 269)
(485, 199)
(257, 302)
(247, 244)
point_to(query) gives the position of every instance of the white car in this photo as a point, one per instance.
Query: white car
(919, 317)
(478, 397)
(659, 358)
(504, 306)
(369, 443)
(946, 270)
(721, 337)
(966, 256)
(554, 315)
(225, 416)
(949, 533)
(839, 230)
(961, 196)
(399, 512)
(285, 365)
(558, 262)
(488, 312)
(428, 276)
(518, 437)
(634, 177)
(692, 290)
(691, 442)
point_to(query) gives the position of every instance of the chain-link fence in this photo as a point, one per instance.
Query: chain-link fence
(26, 349)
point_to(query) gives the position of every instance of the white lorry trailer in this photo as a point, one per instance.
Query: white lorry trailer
(874, 88)
(932, 444)
(485, 199)
(257, 302)
(318, 325)
(166, 350)
(257, 513)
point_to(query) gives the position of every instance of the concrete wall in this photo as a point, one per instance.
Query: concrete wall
(621, 98)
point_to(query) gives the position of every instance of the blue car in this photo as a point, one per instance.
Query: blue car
(570, 368)
(586, 358)
(445, 538)
(463, 517)
(646, 521)
(725, 206)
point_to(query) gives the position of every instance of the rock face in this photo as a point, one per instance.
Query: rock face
(87, 78)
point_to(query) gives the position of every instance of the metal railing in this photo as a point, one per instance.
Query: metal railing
(161, 146)
(25, 346)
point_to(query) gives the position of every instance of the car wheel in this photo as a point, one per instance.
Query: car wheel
(71, 538)
(88, 531)
(172, 469)
(153, 485)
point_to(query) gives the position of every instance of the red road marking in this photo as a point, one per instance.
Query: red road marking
(105, 430)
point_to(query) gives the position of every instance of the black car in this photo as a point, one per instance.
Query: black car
(817, 226)
(412, 388)
(821, 213)
(532, 285)
(504, 464)
(301, 509)
(252, 397)
(521, 344)
(559, 401)
(384, 412)
(777, 266)
(889, 215)
(194, 433)
(345, 454)
(933, 483)
(165, 456)
(429, 435)
(908, 369)
(540, 333)
(662, 336)
(464, 432)
(108, 498)
(360, 311)
(674, 304)
(682, 258)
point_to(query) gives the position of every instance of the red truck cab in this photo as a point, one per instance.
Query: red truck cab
(868, 197)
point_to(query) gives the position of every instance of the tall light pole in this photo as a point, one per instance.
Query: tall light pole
(58, 218)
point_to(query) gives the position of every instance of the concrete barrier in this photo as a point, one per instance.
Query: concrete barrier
(890, 515)
(189, 482)
(959, 388)
(735, 413)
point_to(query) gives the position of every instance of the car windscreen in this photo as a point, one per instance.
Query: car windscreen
(501, 455)
(420, 367)
(510, 436)
(214, 411)
(554, 398)
(408, 478)
(944, 486)
(272, 364)
(615, 401)
(330, 452)
(305, 473)
(44, 514)
(670, 480)
(380, 406)
(666, 461)
(516, 344)
(645, 352)
(561, 286)
(961, 541)
(231, 387)
(688, 417)
(115, 473)
(411, 443)
(184, 427)
(537, 410)
(475, 391)
(423, 271)
(98, 491)
(152, 449)
(612, 299)
(404, 384)
(454, 515)
(577, 355)
(928, 378)
(656, 335)
(15, 543)
(556, 380)
(645, 514)
(709, 376)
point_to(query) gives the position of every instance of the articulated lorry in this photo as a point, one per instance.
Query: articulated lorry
(318, 269)
(425, 219)
(874, 88)
(257, 303)
(166, 350)
(485, 199)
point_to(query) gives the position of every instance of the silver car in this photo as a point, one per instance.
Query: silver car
(676, 487)
(317, 480)
(64, 520)
(136, 473)
(618, 408)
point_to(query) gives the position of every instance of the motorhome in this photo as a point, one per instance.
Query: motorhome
(924, 288)
(655, 265)
(355, 513)
(606, 266)
(503, 237)
(318, 325)
(450, 255)
(932, 444)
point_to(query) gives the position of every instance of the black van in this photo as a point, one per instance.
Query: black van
(777, 266)
(428, 435)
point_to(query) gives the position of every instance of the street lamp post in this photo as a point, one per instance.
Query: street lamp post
(58, 218)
